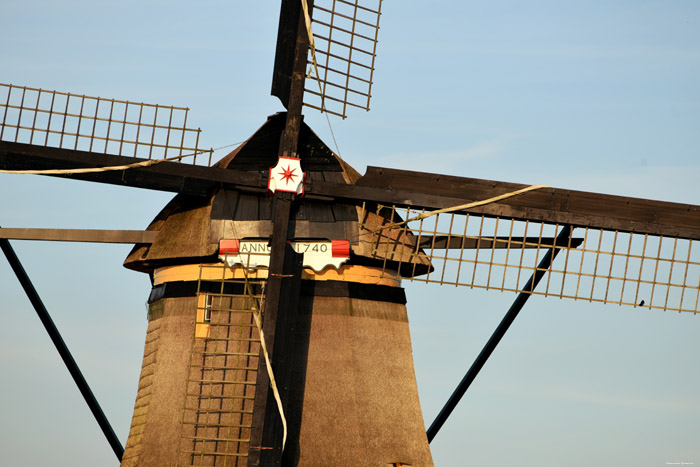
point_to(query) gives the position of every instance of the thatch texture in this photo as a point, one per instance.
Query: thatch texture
(355, 400)
(155, 426)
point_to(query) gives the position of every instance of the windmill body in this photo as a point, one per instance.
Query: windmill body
(348, 360)
(627, 337)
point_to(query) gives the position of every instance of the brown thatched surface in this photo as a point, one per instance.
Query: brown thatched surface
(353, 398)
(155, 427)
(360, 401)
(183, 237)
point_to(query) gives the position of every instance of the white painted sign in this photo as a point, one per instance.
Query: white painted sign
(256, 253)
(286, 175)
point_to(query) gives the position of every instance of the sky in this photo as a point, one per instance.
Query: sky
(600, 96)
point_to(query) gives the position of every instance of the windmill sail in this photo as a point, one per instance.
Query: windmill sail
(624, 251)
(500, 253)
(78, 122)
(340, 65)
(345, 37)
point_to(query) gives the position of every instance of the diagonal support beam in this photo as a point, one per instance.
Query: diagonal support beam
(62, 348)
(498, 334)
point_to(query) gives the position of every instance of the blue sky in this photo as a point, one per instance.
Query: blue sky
(594, 96)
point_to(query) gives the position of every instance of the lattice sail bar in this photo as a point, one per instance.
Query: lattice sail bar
(218, 410)
(345, 35)
(597, 265)
(94, 124)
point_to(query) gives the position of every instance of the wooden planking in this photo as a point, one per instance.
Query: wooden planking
(261, 150)
(247, 208)
(341, 211)
(224, 204)
(80, 235)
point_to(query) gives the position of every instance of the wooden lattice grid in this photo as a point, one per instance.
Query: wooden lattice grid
(345, 35)
(110, 126)
(217, 416)
(598, 265)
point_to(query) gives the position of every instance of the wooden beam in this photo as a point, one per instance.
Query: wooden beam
(458, 242)
(522, 298)
(284, 278)
(62, 348)
(285, 53)
(281, 301)
(551, 205)
(165, 176)
(390, 187)
(77, 235)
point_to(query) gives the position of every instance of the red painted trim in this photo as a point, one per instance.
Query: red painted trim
(228, 247)
(340, 248)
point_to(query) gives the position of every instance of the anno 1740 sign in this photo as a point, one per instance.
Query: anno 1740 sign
(256, 253)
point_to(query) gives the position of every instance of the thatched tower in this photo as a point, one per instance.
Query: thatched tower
(351, 396)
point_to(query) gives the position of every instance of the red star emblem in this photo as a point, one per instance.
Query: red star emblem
(287, 174)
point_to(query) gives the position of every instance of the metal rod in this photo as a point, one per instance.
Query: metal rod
(62, 348)
(507, 320)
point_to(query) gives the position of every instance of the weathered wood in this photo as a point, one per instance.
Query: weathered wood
(290, 136)
(390, 186)
(281, 301)
(552, 205)
(284, 276)
(457, 242)
(165, 176)
(261, 150)
(287, 31)
(79, 235)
